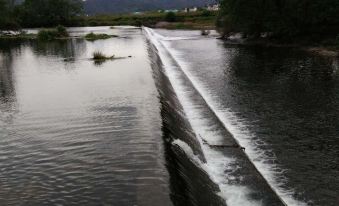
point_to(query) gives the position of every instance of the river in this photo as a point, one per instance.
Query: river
(187, 120)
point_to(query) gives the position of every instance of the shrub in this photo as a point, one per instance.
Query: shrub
(92, 36)
(51, 34)
(47, 35)
(62, 32)
(206, 13)
(171, 17)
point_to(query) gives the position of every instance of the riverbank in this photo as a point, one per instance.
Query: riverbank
(179, 20)
(328, 49)
(57, 33)
(190, 21)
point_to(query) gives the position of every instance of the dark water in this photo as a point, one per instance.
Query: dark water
(76, 133)
(281, 103)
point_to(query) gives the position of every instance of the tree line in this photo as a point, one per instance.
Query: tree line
(38, 13)
(280, 18)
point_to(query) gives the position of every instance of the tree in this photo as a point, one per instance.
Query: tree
(280, 17)
(3, 16)
(7, 17)
(42, 13)
(170, 17)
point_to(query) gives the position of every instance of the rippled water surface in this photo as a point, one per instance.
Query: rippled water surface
(73, 132)
(78, 132)
(280, 103)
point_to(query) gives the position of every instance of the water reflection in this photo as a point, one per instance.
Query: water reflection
(7, 89)
(7, 81)
(283, 103)
(67, 49)
(290, 101)
(79, 134)
(264, 62)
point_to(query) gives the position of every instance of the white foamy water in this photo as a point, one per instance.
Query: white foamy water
(214, 166)
(216, 163)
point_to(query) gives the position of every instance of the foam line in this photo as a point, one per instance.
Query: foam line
(271, 173)
(216, 163)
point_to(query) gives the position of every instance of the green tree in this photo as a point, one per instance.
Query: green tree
(3, 9)
(8, 20)
(41, 13)
(170, 17)
(280, 17)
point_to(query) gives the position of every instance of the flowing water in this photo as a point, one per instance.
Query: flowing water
(281, 104)
(166, 126)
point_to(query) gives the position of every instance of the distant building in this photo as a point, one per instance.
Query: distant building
(214, 7)
(173, 10)
(193, 9)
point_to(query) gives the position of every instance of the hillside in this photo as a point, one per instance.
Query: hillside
(125, 6)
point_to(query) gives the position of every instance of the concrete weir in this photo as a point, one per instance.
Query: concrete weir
(214, 166)
(190, 184)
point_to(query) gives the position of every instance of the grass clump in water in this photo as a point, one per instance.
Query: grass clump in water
(51, 34)
(92, 37)
(99, 56)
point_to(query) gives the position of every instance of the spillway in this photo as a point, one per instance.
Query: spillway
(208, 144)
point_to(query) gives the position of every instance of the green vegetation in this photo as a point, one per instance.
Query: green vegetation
(170, 17)
(92, 37)
(8, 19)
(281, 19)
(51, 34)
(48, 13)
(39, 13)
(183, 20)
(99, 56)
(61, 31)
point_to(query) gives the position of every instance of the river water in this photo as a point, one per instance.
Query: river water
(159, 128)
(77, 133)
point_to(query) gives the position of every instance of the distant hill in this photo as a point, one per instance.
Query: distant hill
(125, 6)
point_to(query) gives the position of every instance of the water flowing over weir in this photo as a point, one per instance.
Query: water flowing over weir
(197, 131)
(190, 185)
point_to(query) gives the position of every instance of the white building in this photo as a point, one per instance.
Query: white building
(193, 9)
(214, 7)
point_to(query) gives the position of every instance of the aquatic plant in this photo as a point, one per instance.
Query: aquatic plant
(51, 34)
(62, 31)
(99, 56)
(91, 36)
(46, 35)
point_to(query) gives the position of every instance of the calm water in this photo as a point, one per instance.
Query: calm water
(75, 132)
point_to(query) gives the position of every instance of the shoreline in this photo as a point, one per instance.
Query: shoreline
(320, 50)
